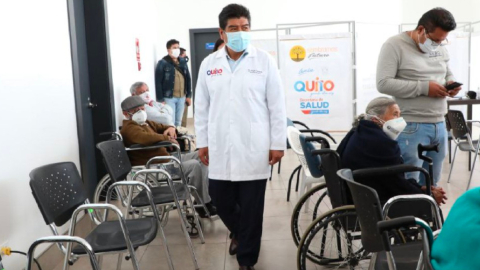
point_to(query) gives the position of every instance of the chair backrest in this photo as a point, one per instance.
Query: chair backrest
(369, 213)
(58, 191)
(116, 159)
(293, 136)
(313, 161)
(457, 124)
(337, 189)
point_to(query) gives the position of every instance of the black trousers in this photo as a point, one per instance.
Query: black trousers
(240, 205)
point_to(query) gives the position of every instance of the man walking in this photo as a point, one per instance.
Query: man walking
(240, 122)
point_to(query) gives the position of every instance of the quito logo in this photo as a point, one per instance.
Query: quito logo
(314, 86)
(214, 72)
(297, 53)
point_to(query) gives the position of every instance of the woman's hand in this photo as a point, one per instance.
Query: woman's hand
(439, 195)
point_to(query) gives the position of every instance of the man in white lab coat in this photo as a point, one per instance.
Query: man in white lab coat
(240, 122)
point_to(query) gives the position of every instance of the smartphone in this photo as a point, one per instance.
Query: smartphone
(453, 86)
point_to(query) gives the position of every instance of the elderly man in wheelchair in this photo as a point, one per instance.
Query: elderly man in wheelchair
(137, 130)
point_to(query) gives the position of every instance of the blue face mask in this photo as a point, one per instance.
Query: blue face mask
(238, 41)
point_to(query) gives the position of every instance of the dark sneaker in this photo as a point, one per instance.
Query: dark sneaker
(212, 210)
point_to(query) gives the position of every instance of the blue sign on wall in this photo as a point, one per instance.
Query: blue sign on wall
(209, 46)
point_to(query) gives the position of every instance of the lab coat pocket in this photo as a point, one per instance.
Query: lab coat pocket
(259, 137)
(255, 87)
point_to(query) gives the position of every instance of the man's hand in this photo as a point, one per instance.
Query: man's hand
(188, 101)
(439, 195)
(203, 155)
(275, 156)
(436, 90)
(454, 91)
(170, 132)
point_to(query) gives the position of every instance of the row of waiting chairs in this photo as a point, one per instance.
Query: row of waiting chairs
(58, 191)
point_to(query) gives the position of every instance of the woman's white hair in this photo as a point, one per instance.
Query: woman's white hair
(377, 107)
(134, 87)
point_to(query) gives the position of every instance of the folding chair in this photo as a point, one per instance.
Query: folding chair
(118, 166)
(58, 191)
(460, 131)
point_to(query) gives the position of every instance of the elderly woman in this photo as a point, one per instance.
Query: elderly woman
(371, 143)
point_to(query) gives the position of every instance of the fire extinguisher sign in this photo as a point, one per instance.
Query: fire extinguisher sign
(137, 47)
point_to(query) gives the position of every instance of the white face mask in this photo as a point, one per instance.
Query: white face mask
(140, 117)
(175, 53)
(146, 97)
(394, 127)
(429, 45)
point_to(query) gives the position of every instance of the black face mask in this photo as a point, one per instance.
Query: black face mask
(187, 59)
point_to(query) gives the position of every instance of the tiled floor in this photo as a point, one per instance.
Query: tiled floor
(278, 250)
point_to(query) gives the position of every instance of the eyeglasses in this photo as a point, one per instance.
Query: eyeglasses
(442, 43)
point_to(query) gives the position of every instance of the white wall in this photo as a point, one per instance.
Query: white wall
(37, 112)
(128, 20)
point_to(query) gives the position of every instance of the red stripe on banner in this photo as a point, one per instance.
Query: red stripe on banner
(306, 111)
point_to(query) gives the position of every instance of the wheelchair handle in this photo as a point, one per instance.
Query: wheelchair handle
(431, 147)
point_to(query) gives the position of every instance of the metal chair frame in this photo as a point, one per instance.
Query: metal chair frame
(61, 239)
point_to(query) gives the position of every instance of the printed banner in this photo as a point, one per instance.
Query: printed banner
(317, 74)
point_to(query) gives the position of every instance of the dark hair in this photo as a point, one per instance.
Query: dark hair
(172, 42)
(437, 17)
(232, 11)
(217, 44)
(182, 50)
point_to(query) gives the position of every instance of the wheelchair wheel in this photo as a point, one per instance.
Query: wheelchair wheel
(310, 206)
(119, 196)
(334, 239)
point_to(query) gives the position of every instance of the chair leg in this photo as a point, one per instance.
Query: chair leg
(473, 168)
(290, 182)
(119, 261)
(453, 162)
(469, 161)
(279, 166)
(449, 151)
(298, 179)
(164, 239)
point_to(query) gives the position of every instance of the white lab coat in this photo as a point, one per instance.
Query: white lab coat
(240, 116)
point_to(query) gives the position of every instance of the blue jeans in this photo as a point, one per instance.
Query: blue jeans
(423, 133)
(177, 104)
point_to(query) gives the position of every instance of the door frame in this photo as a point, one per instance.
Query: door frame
(193, 65)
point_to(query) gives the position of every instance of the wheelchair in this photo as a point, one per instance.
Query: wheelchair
(120, 194)
(334, 237)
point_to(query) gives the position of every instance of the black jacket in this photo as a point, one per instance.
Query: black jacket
(367, 146)
(165, 78)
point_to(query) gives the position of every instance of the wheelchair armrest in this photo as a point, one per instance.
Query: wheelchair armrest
(389, 170)
(415, 197)
(472, 121)
(311, 131)
(153, 146)
(301, 124)
(408, 221)
(396, 223)
(318, 139)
